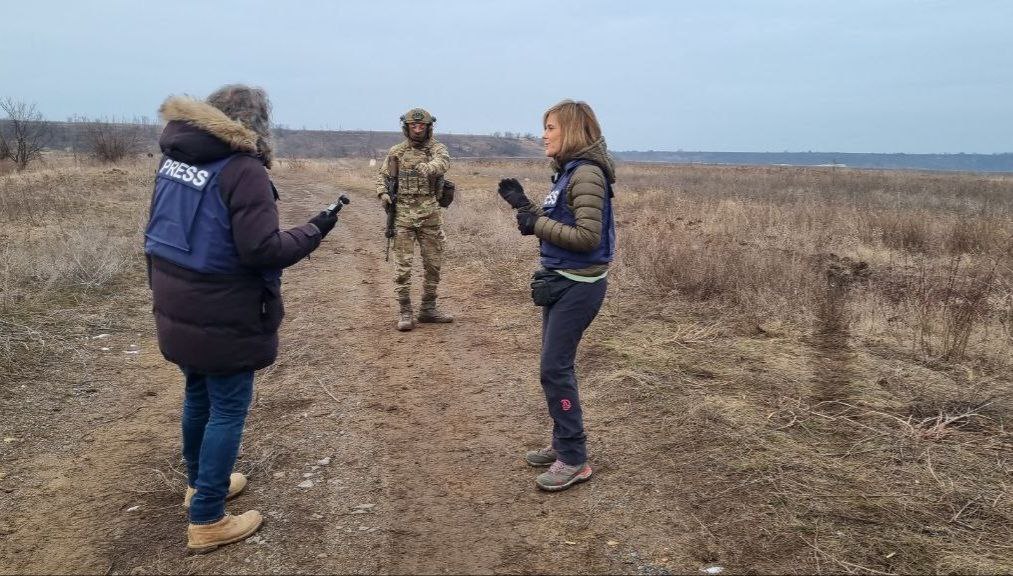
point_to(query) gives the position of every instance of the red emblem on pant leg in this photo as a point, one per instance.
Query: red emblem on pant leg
(566, 405)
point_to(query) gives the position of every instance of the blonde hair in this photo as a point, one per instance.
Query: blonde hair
(578, 124)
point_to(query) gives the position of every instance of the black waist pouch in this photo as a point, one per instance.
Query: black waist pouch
(445, 195)
(547, 287)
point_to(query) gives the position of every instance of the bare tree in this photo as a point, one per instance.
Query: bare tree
(27, 133)
(112, 142)
(5, 148)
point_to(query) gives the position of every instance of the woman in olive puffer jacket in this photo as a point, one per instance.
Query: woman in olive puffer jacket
(576, 231)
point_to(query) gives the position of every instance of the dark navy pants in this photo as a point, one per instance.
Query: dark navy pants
(214, 411)
(563, 324)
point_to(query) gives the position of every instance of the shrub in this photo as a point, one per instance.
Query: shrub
(108, 142)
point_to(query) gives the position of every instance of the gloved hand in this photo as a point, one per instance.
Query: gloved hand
(512, 191)
(385, 200)
(324, 222)
(423, 169)
(526, 222)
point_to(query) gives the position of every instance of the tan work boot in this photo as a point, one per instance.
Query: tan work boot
(404, 318)
(203, 538)
(236, 484)
(429, 312)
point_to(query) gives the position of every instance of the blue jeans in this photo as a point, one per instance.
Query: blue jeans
(563, 325)
(214, 411)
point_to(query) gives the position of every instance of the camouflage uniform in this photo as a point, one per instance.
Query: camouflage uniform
(421, 166)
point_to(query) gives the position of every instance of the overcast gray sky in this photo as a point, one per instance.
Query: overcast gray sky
(850, 75)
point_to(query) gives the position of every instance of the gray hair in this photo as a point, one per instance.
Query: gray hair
(250, 107)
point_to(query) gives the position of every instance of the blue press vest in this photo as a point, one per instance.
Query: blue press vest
(557, 208)
(190, 225)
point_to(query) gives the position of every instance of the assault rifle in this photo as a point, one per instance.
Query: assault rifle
(389, 232)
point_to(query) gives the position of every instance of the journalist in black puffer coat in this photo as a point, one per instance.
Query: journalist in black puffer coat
(215, 255)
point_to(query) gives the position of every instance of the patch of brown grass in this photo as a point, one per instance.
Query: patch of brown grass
(796, 369)
(809, 367)
(71, 238)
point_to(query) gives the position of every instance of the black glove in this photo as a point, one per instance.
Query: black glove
(324, 222)
(512, 191)
(526, 222)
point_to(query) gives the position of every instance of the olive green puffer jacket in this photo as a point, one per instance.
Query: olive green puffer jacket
(585, 195)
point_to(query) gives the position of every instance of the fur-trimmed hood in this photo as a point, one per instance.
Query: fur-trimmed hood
(216, 123)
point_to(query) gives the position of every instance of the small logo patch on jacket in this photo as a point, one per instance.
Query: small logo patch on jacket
(550, 200)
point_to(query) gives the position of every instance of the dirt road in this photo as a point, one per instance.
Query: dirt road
(725, 431)
(368, 450)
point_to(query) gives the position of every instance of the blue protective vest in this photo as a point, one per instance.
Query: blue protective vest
(190, 224)
(557, 208)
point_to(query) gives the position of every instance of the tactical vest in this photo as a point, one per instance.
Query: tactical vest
(410, 182)
(190, 225)
(557, 208)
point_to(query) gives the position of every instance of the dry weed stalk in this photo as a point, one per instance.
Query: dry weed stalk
(942, 424)
(296, 164)
(932, 428)
(949, 310)
(849, 567)
(15, 338)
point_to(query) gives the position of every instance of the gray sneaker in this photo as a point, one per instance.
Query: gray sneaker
(541, 457)
(561, 476)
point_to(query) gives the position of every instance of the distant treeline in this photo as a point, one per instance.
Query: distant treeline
(960, 162)
(72, 136)
(372, 144)
(75, 136)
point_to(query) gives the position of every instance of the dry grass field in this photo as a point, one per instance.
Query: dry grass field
(797, 370)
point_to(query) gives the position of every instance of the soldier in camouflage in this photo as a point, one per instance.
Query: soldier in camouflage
(421, 162)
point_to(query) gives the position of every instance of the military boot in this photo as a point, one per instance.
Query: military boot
(429, 312)
(404, 318)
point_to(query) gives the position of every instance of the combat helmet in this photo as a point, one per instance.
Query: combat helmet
(419, 115)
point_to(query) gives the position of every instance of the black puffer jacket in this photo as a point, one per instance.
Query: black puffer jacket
(223, 324)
